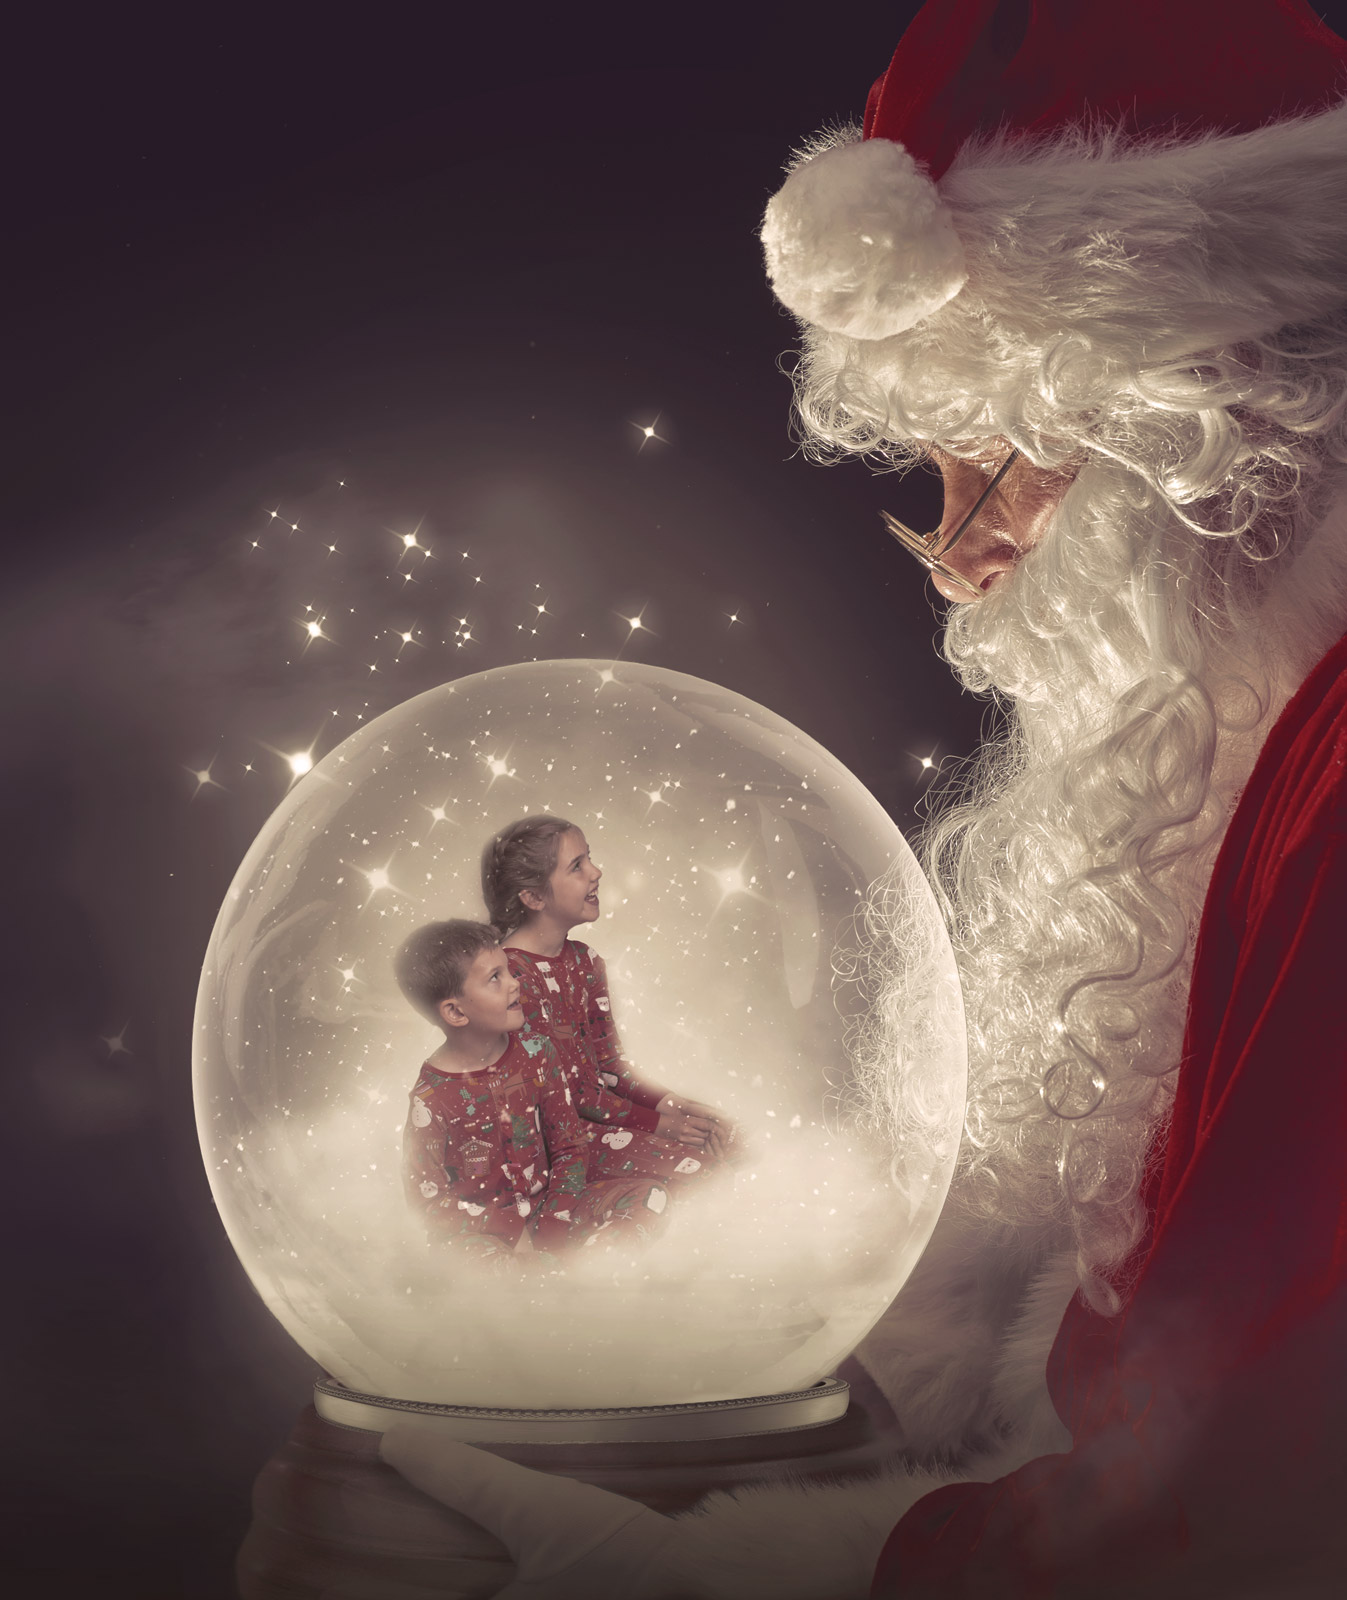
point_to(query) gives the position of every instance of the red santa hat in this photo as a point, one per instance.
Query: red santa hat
(871, 237)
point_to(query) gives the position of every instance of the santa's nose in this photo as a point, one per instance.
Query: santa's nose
(983, 552)
(981, 565)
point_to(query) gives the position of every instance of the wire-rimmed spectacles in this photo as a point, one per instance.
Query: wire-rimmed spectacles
(931, 551)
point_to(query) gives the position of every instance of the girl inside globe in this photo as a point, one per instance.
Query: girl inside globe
(493, 1151)
(539, 882)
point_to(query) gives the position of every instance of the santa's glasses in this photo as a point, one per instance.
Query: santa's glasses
(931, 550)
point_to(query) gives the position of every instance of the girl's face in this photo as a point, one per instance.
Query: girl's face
(573, 888)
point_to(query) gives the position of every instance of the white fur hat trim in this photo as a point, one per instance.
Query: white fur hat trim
(859, 242)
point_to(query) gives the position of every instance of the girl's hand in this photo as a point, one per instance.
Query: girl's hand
(568, 1541)
(721, 1143)
(686, 1127)
(720, 1131)
(680, 1102)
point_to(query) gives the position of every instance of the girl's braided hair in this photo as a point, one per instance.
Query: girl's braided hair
(522, 856)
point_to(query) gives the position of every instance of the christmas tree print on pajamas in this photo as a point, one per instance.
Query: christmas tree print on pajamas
(488, 1155)
(566, 998)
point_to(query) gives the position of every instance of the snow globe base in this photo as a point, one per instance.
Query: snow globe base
(331, 1520)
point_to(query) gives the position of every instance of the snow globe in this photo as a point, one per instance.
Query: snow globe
(772, 948)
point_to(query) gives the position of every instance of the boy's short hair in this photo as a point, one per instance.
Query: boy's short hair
(433, 962)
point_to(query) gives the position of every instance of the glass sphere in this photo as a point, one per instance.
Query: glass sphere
(753, 965)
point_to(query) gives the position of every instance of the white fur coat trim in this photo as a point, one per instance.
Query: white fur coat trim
(961, 1357)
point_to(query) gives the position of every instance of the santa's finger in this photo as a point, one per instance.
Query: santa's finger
(547, 1523)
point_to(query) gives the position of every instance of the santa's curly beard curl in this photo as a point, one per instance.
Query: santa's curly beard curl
(1192, 574)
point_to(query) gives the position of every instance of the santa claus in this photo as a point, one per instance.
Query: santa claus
(1092, 263)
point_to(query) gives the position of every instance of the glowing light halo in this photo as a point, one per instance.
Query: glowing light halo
(726, 995)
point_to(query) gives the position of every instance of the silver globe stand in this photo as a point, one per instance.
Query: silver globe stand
(815, 1407)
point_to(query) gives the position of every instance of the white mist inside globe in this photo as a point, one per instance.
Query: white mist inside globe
(753, 963)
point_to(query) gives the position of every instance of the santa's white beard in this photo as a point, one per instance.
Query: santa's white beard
(1145, 676)
(1076, 870)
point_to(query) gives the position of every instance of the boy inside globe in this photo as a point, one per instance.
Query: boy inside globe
(540, 882)
(493, 1150)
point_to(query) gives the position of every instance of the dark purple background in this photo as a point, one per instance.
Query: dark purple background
(448, 265)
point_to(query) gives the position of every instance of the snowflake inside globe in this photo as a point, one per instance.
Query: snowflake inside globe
(771, 950)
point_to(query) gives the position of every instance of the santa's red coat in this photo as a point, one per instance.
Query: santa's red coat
(1209, 1419)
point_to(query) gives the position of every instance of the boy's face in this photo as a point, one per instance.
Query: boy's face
(489, 1000)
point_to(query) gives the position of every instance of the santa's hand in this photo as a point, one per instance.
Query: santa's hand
(568, 1541)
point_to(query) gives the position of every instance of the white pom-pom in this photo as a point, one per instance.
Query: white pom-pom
(859, 242)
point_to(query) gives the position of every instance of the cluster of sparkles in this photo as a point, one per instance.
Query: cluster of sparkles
(443, 608)
(465, 617)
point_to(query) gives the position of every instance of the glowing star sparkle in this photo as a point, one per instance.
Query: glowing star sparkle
(300, 762)
(204, 779)
(732, 881)
(116, 1042)
(647, 433)
(379, 879)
